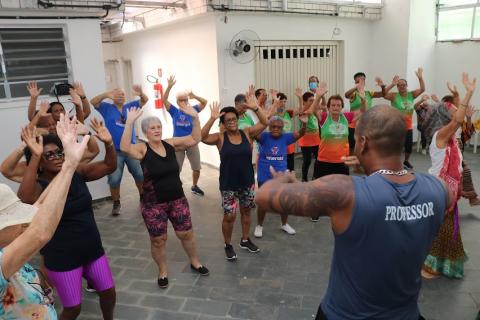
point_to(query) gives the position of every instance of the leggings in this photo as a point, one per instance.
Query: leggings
(291, 161)
(308, 153)
(69, 283)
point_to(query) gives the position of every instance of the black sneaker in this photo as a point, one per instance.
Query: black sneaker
(230, 253)
(162, 282)
(116, 208)
(314, 219)
(202, 270)
(407, 164)
(196, 190)
(249, 245)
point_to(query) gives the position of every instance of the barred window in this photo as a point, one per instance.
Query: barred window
(31, 54)
(458, 20)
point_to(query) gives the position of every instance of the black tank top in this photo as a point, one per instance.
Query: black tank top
(76, 240)
(161, 176)
(236, 169)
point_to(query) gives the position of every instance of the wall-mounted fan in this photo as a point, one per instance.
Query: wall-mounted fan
(244, 46)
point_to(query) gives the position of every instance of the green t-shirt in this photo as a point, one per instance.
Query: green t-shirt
(356, 103)
(245, 121)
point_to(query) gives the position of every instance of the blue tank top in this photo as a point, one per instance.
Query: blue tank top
(236, 170)
(375, 272)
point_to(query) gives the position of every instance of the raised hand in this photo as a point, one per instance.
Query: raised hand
(284, 177)
(419, 73)
(29, 138)
(395, 80)
(67, 132)
(101, 131)
(453, 89)
(188, 109)
(215, 110)
(379, 81)
(75, 97)
(435, 98)
(469, 85)
(133, 114)
(470, 111)
(322, 89)
(425, 97)
(33, 90)
(361, 88)
(79, 88)
(252, 102)
(171, 81)
(43, 110)
(137, 90)
(299, 92)
(191, 95)
(81, 129)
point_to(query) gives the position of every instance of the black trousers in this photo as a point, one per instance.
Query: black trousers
(409, 141)
(322, 169)
(308, 153)
(322, 316)
(291, 161)
(351, 138)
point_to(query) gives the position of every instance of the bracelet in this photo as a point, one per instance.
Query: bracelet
(111, 144)
(83, 97)
(256, 110)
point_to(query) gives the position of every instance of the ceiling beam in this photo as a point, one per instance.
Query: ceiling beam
(154, 4)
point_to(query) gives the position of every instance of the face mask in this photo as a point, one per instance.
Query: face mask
(313, 85)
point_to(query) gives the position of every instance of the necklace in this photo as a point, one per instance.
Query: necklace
(390, 172)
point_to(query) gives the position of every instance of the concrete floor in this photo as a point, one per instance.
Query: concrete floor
(285, 280)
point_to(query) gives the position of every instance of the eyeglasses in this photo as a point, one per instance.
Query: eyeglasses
(50, 155)
(230, 120)
(276, 127)
(183, 100)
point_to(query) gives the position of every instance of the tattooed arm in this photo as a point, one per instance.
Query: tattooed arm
(332, 196)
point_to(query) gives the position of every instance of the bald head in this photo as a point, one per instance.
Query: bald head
(385, 129)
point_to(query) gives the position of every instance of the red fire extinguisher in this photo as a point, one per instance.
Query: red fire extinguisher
(158, 91)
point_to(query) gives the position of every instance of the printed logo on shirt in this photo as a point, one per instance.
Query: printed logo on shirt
(182, 121)
(274, 156)
(408, 213)
(338, 129)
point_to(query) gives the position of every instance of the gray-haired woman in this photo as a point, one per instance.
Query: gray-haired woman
(163, 198)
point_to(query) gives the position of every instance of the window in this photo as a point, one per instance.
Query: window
(458, 20)
(349, 2)
(31, 54)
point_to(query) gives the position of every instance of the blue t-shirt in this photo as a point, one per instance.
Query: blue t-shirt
(22, 296)
(273, 152)
(115, 121)
(182, 122)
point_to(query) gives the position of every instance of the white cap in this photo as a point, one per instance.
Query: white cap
(12, 210)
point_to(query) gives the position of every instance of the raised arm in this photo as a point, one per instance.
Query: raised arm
(83, 97)
(299, 95)
(202, 101)
(391, 95)
(34, 92)
(50, 208)
(381, 93)
(96, 170)
(182, 143)
(326, 196)
(300, 133)
(447, 132)
(350, 92)
(77, 102)
(419, 104)
(170, 83)
(319, 103)
(29, 190)
(137, 90)
(252, 104)
(42, 112)
(97, 100)
(207, 138)
(11, 167)
(136, 151)
(419, 91)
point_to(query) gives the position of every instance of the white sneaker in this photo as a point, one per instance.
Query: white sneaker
(424, 152)
(288, 229)
(258, 233)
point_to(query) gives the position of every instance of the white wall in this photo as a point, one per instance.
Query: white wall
(355, 44)
(87, 67)
(451, 59)
(186, 49)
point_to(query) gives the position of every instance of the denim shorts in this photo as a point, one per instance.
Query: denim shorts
(133, 166)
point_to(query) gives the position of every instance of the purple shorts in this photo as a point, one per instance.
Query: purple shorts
(156, 216)
(69, 283)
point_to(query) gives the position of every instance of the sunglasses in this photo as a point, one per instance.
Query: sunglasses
(50, 155)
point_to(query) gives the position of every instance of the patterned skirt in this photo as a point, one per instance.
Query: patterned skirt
(447, 255)
(467, 183)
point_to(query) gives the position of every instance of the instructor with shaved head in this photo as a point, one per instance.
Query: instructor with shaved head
(383, 223)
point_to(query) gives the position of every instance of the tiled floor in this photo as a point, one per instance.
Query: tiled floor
(285, 280)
